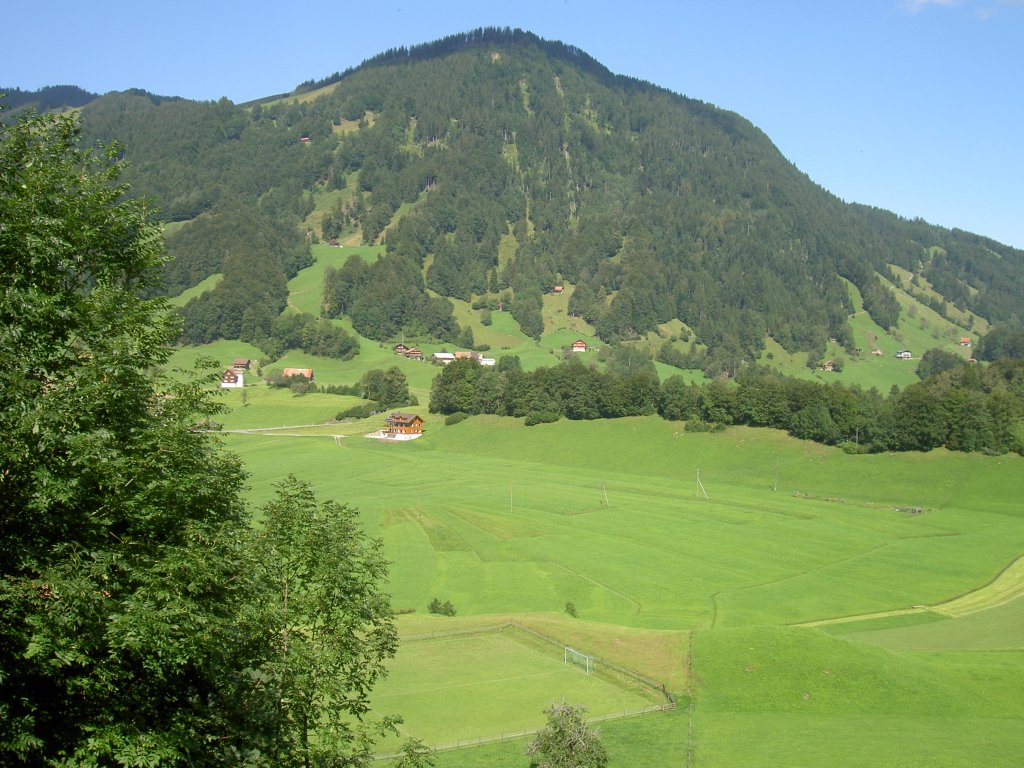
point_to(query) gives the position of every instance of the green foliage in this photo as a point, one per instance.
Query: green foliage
(441, 609)
(387, 388)
(415, 754)
(333, 626)
(122, 534)
(1001, 342)
(936, 361)
(141, 623)
(387, 298)
(567, 741)
(962, 408)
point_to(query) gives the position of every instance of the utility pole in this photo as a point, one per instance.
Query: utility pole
(701, 485)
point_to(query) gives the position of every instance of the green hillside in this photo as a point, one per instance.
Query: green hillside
(490, 167)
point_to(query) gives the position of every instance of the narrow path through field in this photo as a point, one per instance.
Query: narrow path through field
(1007, 586)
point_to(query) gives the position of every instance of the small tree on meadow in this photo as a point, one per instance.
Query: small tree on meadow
(567, 741)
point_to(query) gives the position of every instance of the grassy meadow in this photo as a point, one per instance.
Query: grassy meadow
(702, 594)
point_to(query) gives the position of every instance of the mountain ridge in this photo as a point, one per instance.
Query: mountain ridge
(653, 205)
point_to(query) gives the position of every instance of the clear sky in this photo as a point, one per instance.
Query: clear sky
(916, 106)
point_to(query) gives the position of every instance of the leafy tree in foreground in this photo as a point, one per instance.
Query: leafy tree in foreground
(333, 627)
(121, 529)
(567, 741)
(140, 623)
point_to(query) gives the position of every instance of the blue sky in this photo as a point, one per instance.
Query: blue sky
(916, 106)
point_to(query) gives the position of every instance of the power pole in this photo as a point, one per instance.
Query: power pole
(701, 485)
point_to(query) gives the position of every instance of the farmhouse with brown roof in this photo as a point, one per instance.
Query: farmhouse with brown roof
(400, 425)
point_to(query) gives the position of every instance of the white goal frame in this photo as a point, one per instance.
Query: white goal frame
(580, 659)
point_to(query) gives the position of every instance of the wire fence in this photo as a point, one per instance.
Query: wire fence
(479, 741)
(667, 705)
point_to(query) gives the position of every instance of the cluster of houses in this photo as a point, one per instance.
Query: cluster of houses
(234, 377)
(410, 352)
(443, 358)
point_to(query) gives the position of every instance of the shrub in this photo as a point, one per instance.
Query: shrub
(455, 418)
(442, 609)
(540, 417)
(358, 412)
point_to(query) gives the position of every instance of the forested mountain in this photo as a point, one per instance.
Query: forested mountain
(50, 98)
(495, 162)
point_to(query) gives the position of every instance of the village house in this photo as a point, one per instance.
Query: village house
(242, 364)
(965, 341)
(578, 346)
(443, 358)
(904, 354)
(402, 423)
(232, 379)
(400, 426)
(413, 354)
(400, 349)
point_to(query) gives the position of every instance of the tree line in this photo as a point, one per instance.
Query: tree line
(963, 408)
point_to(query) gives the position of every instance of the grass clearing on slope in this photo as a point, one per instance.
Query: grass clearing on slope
(197, 290)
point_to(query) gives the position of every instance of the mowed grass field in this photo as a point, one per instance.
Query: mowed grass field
(471, 687)
(510, 523)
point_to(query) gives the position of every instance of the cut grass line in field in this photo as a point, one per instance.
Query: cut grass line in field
(594, 581)
(1007, 586)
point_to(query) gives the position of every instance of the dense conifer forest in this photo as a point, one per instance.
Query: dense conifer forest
(495, 161)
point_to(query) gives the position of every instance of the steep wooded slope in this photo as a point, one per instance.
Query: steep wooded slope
(654, 206)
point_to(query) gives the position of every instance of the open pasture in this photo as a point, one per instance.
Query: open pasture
(540, 516)
(526, 527)
(505, 520)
